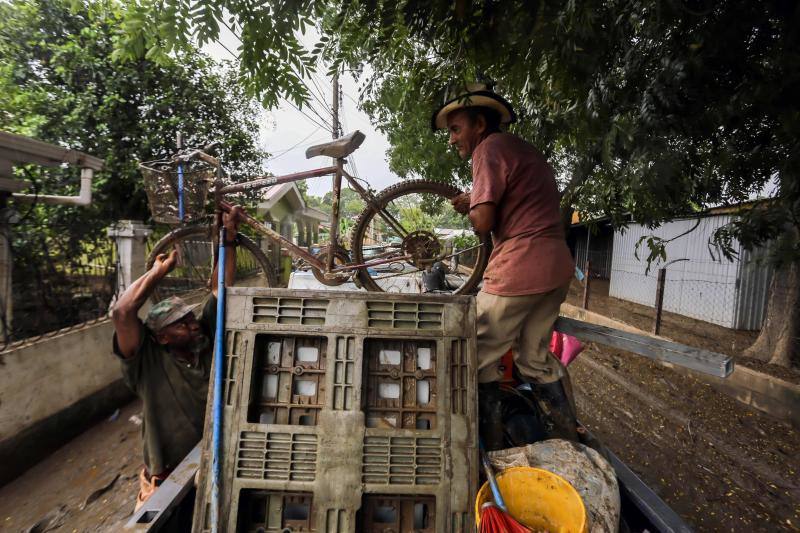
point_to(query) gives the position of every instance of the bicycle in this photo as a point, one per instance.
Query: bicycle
(403, 218)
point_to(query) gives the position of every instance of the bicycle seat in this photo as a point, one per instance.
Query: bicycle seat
(339, 148)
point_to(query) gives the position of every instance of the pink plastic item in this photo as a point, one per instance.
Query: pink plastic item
(565, 347)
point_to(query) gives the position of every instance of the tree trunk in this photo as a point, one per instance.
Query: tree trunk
(779, 340)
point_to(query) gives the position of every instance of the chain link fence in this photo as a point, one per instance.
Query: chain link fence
(599, 261)
(62, 277)
(712, 291)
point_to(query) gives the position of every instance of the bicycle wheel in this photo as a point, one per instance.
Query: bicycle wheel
(191, 278)
(413, 228)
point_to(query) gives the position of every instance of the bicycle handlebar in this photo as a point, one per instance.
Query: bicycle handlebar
(197, 154)
(211, 147)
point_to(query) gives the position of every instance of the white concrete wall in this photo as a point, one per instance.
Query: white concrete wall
(40, 379)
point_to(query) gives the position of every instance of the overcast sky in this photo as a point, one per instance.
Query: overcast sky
(286, 132)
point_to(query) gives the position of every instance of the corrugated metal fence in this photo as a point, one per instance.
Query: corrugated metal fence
(710, 288)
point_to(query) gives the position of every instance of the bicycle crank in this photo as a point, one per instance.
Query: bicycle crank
(422, 247)
(332, 279)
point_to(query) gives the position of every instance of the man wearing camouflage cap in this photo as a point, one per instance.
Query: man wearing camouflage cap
(167, 361)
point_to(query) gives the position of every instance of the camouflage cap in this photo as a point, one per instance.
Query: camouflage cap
(166, 312)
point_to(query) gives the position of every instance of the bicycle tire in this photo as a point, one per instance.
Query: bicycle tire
(393, 193)
(192, 275)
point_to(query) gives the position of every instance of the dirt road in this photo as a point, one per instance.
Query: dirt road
(721, 465)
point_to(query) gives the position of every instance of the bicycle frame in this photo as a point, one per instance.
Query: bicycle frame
(327, 267)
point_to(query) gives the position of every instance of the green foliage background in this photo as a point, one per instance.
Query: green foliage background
(647, 108)
(60, 84)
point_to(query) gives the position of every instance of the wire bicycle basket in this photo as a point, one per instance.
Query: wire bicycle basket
(161, 186)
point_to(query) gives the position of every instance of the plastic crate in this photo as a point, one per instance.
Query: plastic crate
(346, 412)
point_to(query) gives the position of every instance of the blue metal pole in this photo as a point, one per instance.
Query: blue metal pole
(216, 410)
(180, 193)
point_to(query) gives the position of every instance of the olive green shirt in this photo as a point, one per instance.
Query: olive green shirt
(173, 394)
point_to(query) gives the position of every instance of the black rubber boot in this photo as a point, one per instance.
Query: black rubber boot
(435, 279)
(524, 423)
(556, 408)
(490, 415)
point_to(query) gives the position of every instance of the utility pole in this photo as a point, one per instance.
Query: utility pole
(337, 179)
(335, 107)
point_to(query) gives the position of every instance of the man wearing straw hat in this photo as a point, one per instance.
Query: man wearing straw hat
(514, 196)
(167, 361)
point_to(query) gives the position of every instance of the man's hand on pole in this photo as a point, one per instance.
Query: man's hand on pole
(461, 203)
(231, 221)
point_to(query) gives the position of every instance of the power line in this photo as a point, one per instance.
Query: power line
(325, 120)
(322, 100)
(352, 99)
(318, 97)
(231, 30)
(236, 57)
(287, 150)
(325, 114)
(335, 106)
(314, 121)
(325, 124)
(219, 41)
(320, 94)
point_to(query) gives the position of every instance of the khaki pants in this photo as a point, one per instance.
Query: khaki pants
(525, 322)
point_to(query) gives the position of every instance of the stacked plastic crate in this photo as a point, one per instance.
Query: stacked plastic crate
(345, 412)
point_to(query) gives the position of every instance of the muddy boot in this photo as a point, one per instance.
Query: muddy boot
(490, 415)
(556, 408)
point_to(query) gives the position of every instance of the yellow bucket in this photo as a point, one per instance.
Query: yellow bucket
(539, 499)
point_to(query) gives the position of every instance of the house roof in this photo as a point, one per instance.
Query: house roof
(737, 208)
(276, 193)
(290, 193)
(19, 149)
(316, 214)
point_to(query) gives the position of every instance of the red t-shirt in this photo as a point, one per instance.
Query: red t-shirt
(530, 253)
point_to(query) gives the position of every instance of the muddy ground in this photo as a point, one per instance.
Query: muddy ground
(721, 465)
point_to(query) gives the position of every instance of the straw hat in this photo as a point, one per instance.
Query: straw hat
(473, 95)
